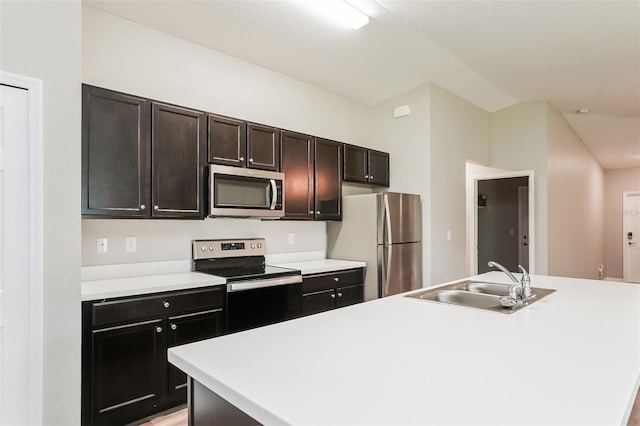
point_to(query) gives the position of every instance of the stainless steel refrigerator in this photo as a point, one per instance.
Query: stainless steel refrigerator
(385, 231)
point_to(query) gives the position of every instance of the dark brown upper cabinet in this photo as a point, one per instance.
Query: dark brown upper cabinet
(366, 166)
(237, 143)
(140, 158)
(328, 180)
(263, 147)
(178, 148)
(116, 142)
(297, 160)
(313, 184)
(378, 163)
(227, 141)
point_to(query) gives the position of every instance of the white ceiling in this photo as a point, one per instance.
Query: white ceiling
(575, 54)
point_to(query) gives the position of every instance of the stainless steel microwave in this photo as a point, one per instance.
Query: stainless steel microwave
(240, 192)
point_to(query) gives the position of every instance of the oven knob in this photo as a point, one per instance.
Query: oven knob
(253, 246)
(259, 245)
(211, 247)
(203, 248)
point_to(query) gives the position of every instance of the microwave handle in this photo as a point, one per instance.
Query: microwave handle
(274, 194)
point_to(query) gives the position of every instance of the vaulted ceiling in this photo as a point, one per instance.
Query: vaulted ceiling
(575, 54)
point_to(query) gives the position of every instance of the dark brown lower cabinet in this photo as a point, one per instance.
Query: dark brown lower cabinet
(125, 372)
(323, 292)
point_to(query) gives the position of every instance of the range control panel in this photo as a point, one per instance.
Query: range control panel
(214, 249)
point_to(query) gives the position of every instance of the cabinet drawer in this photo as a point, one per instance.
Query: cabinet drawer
(313, 283)
(118, 311)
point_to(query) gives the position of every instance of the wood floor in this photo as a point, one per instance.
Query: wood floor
(634, 418)
(180, 417)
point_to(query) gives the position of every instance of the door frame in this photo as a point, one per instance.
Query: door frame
(473, 213)
(625, 214)
(35, 277)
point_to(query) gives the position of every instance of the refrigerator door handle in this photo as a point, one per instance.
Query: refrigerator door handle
(387, 275)
(387, 218)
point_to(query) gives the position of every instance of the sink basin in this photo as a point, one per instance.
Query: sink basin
(473, 300)
(477, 294)
(487, 288)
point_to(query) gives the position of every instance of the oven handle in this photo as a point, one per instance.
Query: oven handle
(250, 285)
(274, 194)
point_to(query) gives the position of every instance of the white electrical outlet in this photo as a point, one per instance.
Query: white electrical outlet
(448, 235)
(291, 238)
(102, 245)
(130, 244)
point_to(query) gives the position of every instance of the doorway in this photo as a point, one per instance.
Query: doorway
(503, 224)
(631, 236)
(21, 281)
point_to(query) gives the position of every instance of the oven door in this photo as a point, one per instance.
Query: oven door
(252, 304)
(240, 192)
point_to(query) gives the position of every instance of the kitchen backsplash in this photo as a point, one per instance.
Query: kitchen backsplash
(162, 240)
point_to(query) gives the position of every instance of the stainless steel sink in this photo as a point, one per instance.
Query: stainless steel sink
(477, 294)
(486, 288)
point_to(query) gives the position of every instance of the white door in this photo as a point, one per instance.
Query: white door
(631, 236)
(14, 255)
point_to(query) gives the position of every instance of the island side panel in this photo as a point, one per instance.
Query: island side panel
(208, 408)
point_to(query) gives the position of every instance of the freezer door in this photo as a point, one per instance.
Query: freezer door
(399, 268)
(399, 218)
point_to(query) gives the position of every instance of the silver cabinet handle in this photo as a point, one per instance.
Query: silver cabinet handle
(371, 177)
(336, 279)
(317, 211)
(173, 326)
(310, 211)
(241, 158)
(333, 296)
(158, 329)
(366, 176)
(251, 160)
(156, 208)
(339, 294)
(142, 207)
(166, 304)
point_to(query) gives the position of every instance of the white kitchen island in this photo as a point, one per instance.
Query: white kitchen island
(570, 358)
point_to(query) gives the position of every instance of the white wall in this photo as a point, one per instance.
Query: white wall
(459, 132)
(519, 142)
(162, 240)
(615, 183)
(407, 141)
(42, 40)
(125, 56)
(575, 193)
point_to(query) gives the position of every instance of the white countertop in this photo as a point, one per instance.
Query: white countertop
(322, 265)
(570, 358)
(130, 286)
(107, 281)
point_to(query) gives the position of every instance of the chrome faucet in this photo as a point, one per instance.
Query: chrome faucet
(519, 291)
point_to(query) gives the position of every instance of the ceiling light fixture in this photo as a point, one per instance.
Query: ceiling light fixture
(582, 111)
(340, 12)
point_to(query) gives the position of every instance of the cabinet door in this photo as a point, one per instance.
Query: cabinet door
(227, 141)
(115, 154)
(328, 180)
(127, 368)
(346, 296)
(355, 164)
(178, 152)
(263, 147)
(297, 164)
(187, 329)
(378, 168)
(313, 303)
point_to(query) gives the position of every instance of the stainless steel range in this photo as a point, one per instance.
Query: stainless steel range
(257, 294)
